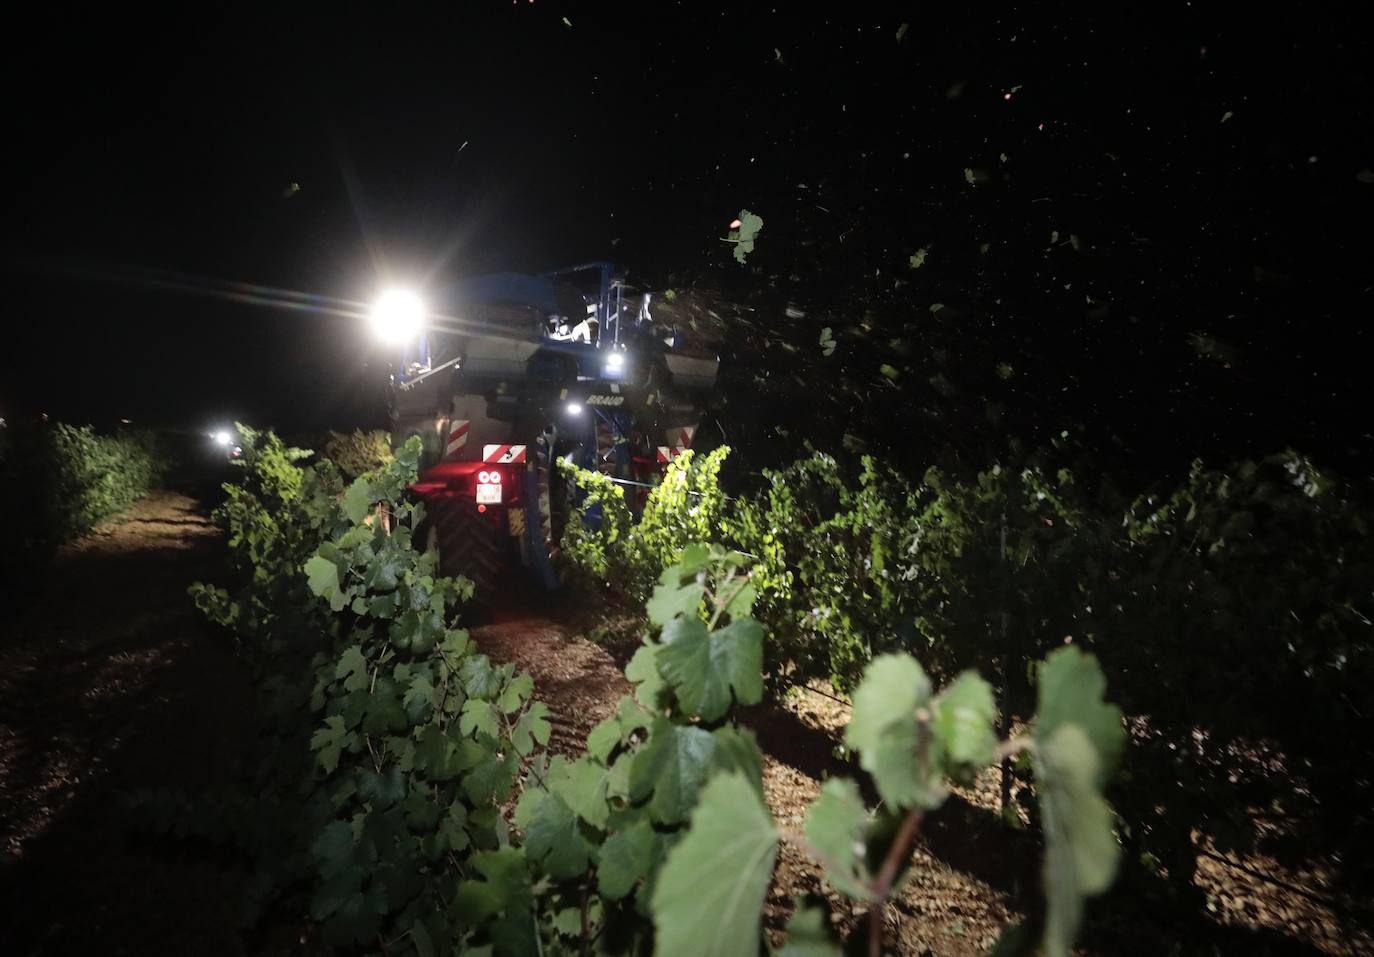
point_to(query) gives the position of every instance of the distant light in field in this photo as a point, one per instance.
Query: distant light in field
(222, 438)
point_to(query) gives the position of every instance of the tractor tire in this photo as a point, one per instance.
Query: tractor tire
(467, 544)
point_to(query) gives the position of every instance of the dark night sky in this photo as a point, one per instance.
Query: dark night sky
(1186, 147)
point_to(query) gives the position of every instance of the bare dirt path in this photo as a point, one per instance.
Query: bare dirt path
(109, 681)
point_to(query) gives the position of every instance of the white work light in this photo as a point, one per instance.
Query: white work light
(398, 316)
(222, 438)
(573, 408)
(615, 361)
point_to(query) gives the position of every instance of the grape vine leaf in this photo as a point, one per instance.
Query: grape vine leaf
(750, 225)
(420, 698)
(357, 500)
(489, 779)
(710, 892)
(533, 727)
(625, 858)
(333, 848)
(671, 599)
(671, 767)
(384, 789)
(515, 693)
(885, 731)
(1080, 846)
(964, 715)
(504, 899)
(322, 576)
(582, 783)
(554, 837)
(352, 668)
(477, 716)
(1071, 689)
(330, 742)
(736, 749)
(835, 829)
(702, 668)
(643, 671)
(604, 739)
(480, 679)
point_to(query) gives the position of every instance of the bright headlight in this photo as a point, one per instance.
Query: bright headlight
(398, 316)
(616, 360)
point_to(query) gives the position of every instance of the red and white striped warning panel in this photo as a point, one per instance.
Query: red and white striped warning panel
(681, 438)
(666, 454)
(502, 454)
(457, 438)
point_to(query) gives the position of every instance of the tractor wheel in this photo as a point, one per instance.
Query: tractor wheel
(467, 544)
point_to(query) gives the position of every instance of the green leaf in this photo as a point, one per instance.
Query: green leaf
(352, 667)
(702, 668)
(504, 900)
(750, 226)
(670, 600)
(1080, 847)
(433, 754)
(808, 933)
(918, 258)
(1071, 690)
(836, 827)
(515, 693)
(322, 575)
(671, 767)
(533, 727)
(625, 859)
(643, 671)
(333, 848)
(710, 893)
(893, 687)
(489, 778)
(480, 679)
(421, 810)
(330, 741)
(885, 731)
(384, 789)
(357, 501)
(453, 828)
(554, 838)
(964, 717)
(693, 559)
(385, 713)
(478, 716)
(420, 698)
(582, 783)
(604, 739)
(741, 603)
(736, 749)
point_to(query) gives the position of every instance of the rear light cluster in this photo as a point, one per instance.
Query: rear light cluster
(493, 477)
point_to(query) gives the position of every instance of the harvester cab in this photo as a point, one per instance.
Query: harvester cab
(504, 373)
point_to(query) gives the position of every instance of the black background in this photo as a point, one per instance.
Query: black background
(1209, 162)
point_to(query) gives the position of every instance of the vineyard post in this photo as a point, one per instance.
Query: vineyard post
(1004, 731)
